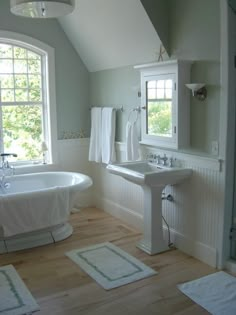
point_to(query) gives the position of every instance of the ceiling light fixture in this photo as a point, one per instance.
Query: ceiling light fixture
(42, 9)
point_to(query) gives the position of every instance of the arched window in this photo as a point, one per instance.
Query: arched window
(27, 97)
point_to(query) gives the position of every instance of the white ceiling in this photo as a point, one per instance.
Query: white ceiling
(111, 33)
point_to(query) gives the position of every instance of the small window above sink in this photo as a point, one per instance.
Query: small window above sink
(165, 103)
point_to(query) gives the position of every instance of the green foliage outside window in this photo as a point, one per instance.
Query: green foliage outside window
(22, 130)
(159, 118)
(20, 78)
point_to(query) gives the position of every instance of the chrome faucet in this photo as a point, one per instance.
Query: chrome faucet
(158, 159)
(6, 169)
(164, 159)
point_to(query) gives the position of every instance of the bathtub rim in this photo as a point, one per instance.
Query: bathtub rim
(85, 184)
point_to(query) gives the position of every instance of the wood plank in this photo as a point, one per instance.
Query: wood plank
(62, 288)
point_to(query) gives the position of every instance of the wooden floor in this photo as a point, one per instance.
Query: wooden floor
(61, 287)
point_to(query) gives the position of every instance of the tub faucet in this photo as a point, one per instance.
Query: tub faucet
(5, 164)
(6, 169)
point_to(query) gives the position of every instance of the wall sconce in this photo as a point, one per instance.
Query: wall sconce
(198, 90)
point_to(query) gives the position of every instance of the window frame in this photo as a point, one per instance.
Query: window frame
(147, 138)
(49, 98)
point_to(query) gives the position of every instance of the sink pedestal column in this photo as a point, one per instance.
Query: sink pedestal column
(153, 241)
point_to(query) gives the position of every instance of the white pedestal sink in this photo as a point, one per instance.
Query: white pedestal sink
(153, 179)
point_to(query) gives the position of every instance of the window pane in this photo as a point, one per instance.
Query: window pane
(32, 55)
(5, 51)
(160, 84)
(151, 94)
(21, 95)
(35, 95)
(21, 81)
(19, 53)
(22, 131)
(20, 66)
(34, 66)
(6, 66)
(7, 95)
(168, 84)
(160, 93)
(34, 81)
(169, 93)
(6, 81)
(160, 118)
(151, 84)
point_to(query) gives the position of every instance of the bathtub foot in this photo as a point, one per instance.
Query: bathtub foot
(35, 238)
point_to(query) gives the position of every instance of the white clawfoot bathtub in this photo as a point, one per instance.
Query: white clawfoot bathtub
(35, 208)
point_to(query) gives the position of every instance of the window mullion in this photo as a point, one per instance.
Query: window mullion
(27, 75)
(21, 104)
(13, 73)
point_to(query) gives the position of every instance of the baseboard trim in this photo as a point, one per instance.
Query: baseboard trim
(193, 248)
(130, 217)
(231, 266)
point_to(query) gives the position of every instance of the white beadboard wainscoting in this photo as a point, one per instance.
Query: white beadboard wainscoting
(73, 157)
(195, 215)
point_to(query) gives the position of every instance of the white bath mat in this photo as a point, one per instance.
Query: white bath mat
(110, 266)
(15, 298)
(216, 293)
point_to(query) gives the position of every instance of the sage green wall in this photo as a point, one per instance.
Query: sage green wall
(194, 35)
(71, 74)
(116, 88)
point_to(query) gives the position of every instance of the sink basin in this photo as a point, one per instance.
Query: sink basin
(152, 179)
(146, 173)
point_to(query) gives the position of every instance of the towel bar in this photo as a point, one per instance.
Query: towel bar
(121, 109)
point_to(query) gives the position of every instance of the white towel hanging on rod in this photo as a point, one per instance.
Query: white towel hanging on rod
(132, 142)
(136, 111)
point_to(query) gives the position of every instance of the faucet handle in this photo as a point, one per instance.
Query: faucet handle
(149, 157)
(8, 154)
(4, 162)
(158, 159)
(5, 155)
(165, 159)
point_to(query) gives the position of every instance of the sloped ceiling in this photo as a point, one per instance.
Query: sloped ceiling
(111, 33)
(158, 12)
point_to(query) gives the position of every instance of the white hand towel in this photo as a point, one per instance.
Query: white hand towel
(128, 142)
(108, 135)
(132, 142)
(95, 148)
